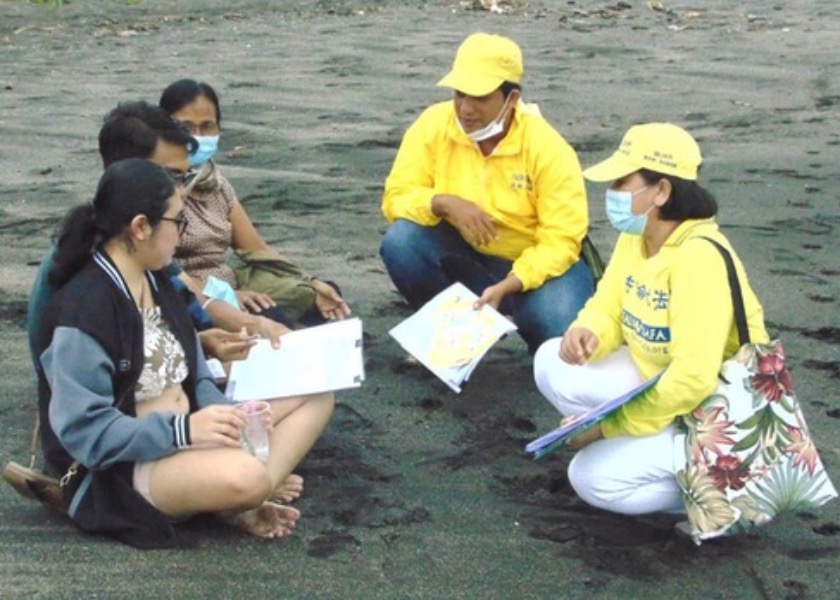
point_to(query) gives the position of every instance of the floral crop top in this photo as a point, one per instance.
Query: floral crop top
(164, 364)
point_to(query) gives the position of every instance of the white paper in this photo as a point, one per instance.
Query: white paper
(318, 359)
(449, 337)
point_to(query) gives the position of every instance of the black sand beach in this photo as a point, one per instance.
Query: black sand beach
(414, 491)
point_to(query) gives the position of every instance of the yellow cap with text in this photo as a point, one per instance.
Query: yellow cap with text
(660, 147)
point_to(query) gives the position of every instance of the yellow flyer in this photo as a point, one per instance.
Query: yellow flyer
(449, 337)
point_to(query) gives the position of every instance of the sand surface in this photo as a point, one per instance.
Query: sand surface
(414, 491)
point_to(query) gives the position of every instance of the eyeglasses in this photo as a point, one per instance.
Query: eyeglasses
(181, 177)
(180, 221)
(206, 128)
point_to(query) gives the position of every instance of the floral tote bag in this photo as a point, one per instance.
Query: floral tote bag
(748, 453)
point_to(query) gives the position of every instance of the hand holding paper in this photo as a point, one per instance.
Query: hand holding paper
(449, 336)
(318, 359)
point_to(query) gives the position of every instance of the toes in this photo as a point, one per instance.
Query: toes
(286, 513)
(271, 520)
(290, 489)
(285, 497)
(293, 483)
(283, 518)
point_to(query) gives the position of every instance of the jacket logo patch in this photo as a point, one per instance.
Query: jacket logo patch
(125, 365)
(521, 181)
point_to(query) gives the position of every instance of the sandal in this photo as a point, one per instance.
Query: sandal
(35, 485)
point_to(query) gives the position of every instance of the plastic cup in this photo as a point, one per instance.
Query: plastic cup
(254, 438)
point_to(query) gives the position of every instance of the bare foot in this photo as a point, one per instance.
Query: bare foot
(290, 489)
(271, 520)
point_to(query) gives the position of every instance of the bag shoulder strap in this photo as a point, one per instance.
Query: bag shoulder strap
(592, 258)
(33, 444)
(735, 288)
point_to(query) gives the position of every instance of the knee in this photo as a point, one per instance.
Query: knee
(579, 296)
(323, 408)
(558, 381)
(248, 485)
(548, 311)
(536, 329)
(316, 409)
(603, 480)
(546, 360)
(398, 239)
(573, 289)
(587, 479)
(325, 403)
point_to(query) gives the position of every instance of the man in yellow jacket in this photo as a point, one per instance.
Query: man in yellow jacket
(484, 191)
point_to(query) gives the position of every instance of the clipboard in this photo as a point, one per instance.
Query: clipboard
(559, 437)
(317, 359)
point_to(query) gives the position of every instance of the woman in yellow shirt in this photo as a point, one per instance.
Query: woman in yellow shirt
(664, 305)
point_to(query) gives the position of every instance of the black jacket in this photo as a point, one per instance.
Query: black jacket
(97, 304)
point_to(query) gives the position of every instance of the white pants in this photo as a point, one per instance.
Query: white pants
(627, 475)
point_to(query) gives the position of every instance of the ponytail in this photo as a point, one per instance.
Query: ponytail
(128, 188)
(75, 239)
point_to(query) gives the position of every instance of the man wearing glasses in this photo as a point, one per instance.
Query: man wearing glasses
(142, 130)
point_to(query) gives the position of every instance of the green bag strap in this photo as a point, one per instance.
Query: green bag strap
(592, 258)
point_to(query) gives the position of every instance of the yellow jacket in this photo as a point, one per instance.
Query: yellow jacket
(674, 312)
(531, 185)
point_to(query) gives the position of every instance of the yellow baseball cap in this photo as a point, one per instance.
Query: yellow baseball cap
(659, 147)
(484, 61)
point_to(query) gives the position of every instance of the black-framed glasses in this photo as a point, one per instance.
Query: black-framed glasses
(181, 177)
(205, 128)
(180, 221)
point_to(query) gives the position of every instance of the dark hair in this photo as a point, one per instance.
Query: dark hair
(688, 199)
(508, 86)
(128, 188)
(183, 92)
(133, 129)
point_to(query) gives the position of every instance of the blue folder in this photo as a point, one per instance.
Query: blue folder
(559, 437)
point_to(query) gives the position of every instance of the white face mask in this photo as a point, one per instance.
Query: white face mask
(493, 128)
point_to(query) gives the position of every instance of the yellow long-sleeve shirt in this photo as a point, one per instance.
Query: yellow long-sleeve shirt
(674, 312)
(531, 185)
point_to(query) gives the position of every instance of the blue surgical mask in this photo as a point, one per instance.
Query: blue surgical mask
(207, 146)
(620, 211)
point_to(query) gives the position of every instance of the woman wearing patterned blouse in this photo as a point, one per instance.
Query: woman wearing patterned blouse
(218, 222)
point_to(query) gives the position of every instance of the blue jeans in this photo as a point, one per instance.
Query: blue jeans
(423, 261)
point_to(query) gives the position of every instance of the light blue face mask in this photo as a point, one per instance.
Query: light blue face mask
(620, 211)
(220, 290)
(207, 147)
